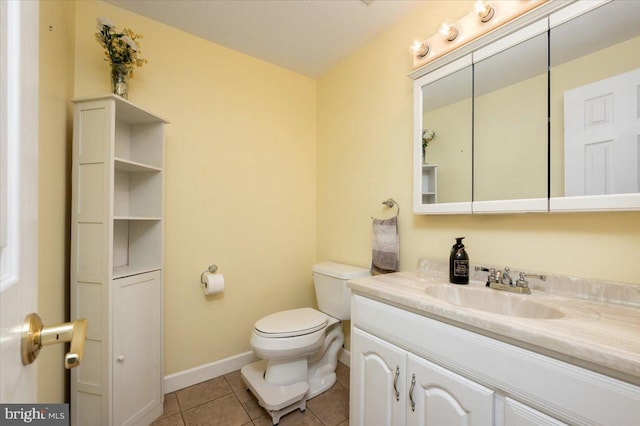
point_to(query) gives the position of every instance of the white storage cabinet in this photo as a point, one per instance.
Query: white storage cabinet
(117, 261)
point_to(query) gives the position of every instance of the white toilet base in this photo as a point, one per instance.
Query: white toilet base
(277, 400)
(317, 386)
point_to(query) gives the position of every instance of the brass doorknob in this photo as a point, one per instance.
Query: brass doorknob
(35, 335)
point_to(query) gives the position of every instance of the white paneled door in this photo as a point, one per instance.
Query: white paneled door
(18, 192)
(602, 136)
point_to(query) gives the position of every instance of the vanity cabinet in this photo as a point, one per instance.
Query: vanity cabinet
(117, 261)
(378, 378)
(394, 387)
(462, 377)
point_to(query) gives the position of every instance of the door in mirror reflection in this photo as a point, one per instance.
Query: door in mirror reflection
(447, 138)
(595, 102)
(510, 123)
(602, 134)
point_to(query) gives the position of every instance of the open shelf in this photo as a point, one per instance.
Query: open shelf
(133, 166)
(137, 194)
(429, 183)
(128, 271)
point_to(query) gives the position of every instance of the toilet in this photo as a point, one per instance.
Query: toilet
(299, 347)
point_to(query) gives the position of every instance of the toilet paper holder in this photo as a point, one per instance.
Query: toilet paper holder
(212, 269)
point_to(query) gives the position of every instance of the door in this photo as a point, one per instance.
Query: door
(602, 136)
(18, 192)
(439, 397)
(377, 381)
(137, 347)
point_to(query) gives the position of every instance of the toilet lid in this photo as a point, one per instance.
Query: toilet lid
(294, 322)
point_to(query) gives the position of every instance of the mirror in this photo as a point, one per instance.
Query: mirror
(555, 116)
(510, 124)
(446, 127)
(594, 104)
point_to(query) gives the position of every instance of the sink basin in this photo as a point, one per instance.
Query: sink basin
(493, 301)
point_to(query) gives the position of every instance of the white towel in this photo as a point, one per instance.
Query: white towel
(386, 247)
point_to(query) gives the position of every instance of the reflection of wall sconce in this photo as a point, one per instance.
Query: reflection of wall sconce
(448, 30)
(484, 10)
(420, 48)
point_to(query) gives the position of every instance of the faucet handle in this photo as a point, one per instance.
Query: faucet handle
(491, 278)
(522, 280)
(506, 278)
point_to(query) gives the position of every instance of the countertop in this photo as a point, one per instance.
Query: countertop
(594, 333)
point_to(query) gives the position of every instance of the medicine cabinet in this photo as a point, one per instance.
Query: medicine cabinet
(540, 115)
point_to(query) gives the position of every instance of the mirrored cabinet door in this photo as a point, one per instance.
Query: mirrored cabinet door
(510, 160)
(595, 106)
(443, 132)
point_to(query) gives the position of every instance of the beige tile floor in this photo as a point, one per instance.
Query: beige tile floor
(225, 401)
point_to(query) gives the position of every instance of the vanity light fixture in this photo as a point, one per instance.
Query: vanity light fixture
(482, 19)
(420, 48)
(484, 10)
(449, 31)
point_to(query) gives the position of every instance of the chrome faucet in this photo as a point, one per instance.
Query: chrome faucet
(501, 280)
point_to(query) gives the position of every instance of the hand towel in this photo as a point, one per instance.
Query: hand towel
(385, 246)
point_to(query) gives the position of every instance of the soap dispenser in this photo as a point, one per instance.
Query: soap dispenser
(459, 263)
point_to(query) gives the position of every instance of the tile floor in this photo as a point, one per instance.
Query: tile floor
(225, 401)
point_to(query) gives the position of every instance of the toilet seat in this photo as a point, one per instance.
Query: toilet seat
(291, 323)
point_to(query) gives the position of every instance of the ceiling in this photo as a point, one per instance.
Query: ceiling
(305, 36)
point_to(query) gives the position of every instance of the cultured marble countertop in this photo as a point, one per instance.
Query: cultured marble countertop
(601, 333)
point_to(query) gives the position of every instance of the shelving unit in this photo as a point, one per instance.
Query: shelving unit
(117, 261)
(429, 184)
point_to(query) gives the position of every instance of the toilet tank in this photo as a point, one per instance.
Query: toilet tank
(330, 280)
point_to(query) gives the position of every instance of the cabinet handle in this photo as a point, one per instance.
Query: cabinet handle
(413, 385)
(120, 358)
(395, 383)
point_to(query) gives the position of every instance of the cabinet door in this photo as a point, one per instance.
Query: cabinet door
(377, 381)
(137, 347)
(439, 397)
(518, 414)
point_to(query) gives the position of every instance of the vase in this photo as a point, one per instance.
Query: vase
(424, 155)
(120, 80)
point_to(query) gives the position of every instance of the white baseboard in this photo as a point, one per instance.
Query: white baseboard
(344, 356)
(193, 376)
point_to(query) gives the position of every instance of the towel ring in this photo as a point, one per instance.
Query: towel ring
(390, 202)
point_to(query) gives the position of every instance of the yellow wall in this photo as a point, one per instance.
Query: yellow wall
(57, 34)
(364, 156)
(240, 179)
(510, 142)
(451, 149)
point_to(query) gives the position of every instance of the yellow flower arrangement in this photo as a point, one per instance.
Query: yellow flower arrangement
(121, 48)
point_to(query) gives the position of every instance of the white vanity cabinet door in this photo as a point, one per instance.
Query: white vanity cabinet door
(442, 397)
(518, 414)
(377, 387)
(137, 345)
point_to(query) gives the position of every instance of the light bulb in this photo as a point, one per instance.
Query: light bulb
(448, 30)
(484, 10)
(420, 48)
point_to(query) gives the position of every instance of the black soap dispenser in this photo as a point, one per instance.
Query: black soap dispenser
(459, 263)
